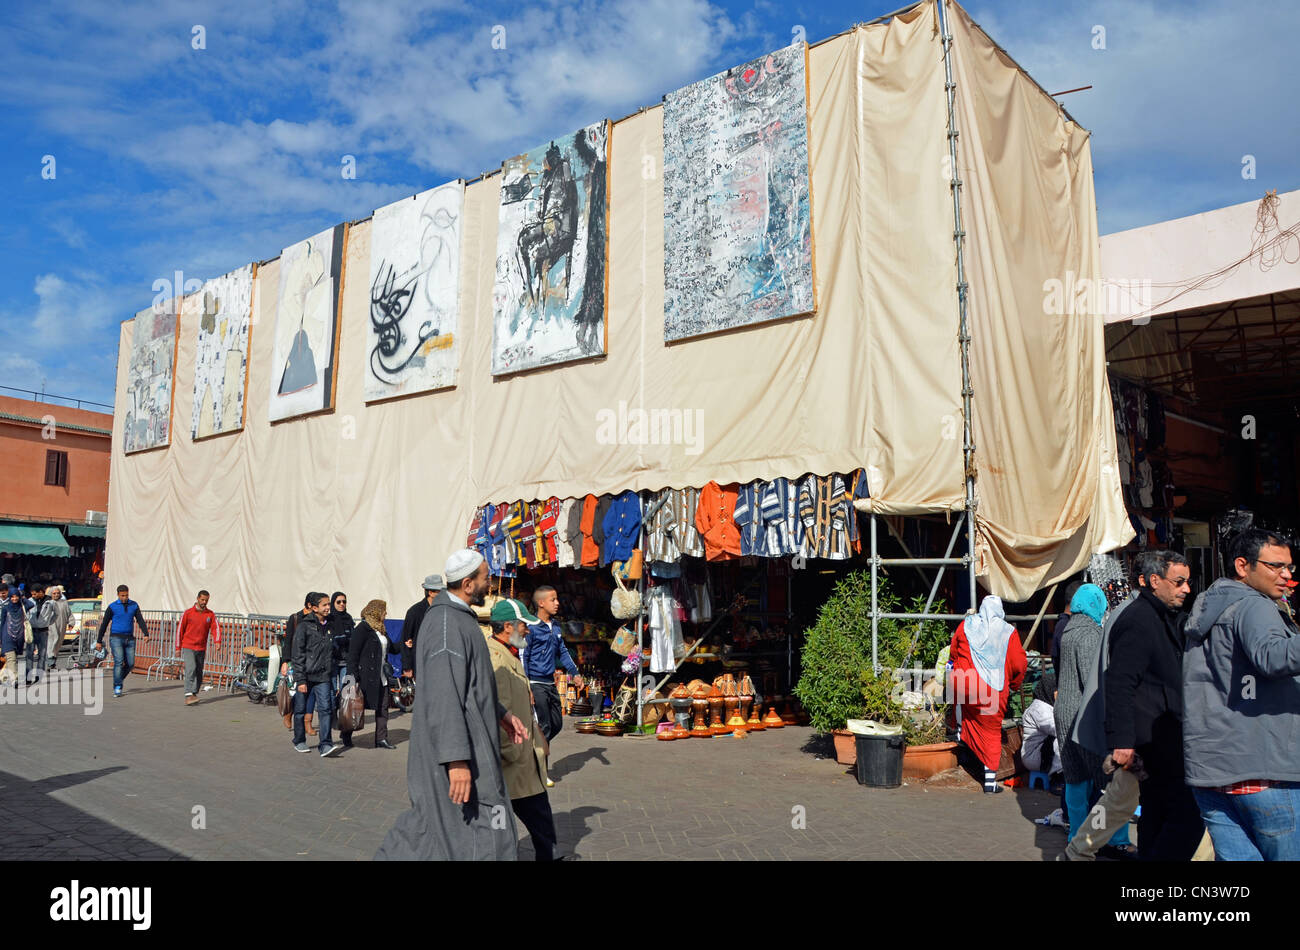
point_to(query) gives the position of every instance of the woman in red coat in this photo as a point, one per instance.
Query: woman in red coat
(988, 663)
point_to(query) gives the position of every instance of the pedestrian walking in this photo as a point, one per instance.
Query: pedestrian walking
(40, 614)
(59, 626)
(1061, 621)
(198, 623)
(367, 660)
(121, 617)
(1084, 777)
(341, 626)
(286, 653)
(1241, 681)
(523, 764)
(313, 664)
(1144, 707)
(544, 653)
(988, 665)
(411, 624)
(460, 809)
(13, 633)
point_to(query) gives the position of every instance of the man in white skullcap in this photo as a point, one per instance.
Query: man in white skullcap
(460, 808)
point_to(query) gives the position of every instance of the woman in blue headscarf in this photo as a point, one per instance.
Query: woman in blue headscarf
(1080, 651)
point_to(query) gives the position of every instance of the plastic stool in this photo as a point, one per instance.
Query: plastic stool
(1040, 777)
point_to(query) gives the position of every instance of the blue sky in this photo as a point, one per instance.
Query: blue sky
(200, 160)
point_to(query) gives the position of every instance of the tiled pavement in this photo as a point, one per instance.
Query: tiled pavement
(134, 782)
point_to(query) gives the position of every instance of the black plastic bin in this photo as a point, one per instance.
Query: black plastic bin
(880, 760)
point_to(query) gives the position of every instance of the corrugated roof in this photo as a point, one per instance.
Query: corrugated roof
(10, 417)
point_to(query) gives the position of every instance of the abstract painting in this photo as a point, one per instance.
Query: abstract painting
(737, 216)
(223, 312)
(414, 287)
(306, 323)
(548, 301)
(149, 378)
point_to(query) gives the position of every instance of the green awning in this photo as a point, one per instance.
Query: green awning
(38, 539)
(86, 530)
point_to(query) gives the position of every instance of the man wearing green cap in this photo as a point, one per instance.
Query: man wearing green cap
(523, 765)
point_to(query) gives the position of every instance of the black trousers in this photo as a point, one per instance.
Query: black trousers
(1170, 826)
(535, 812)
(549, 711)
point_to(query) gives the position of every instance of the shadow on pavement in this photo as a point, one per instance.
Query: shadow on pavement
(39, 827)
(575, 761)
(570, 828)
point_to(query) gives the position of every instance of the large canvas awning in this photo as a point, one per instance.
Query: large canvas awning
(372, 497)
(39, 539)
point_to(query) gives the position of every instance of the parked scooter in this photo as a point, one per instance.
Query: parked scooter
(254, 675)
(401, 690)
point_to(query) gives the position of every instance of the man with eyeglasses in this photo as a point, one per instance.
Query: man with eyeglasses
(1144, 707)
(1241, 685)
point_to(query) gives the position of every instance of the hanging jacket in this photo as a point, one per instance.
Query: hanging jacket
(715, 517)
(622, 527)
(590, 555)
(822, 502)
(779, 510)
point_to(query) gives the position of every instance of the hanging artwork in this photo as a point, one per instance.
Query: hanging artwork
(738, 247)
(549, 295)
(414, 287)
(306, 326)
(223, 311)
(149, 378)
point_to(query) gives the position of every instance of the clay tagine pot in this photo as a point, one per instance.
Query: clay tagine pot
(772, 720)
(787, 712)
(754, 723)
(717, 702)
(700, 711)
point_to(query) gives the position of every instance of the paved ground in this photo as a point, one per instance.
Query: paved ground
(151, 778)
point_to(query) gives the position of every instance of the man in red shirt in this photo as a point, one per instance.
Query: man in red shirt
(197, 624)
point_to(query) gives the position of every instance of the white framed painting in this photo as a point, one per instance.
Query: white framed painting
(223, 312)
(304, 365)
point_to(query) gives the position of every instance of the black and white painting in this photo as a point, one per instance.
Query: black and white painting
(549, 294)
(306, 322)
(223, 311)
(411, 344)
(149, 379)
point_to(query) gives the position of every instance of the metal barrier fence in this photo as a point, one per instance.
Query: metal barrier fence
(160, 655)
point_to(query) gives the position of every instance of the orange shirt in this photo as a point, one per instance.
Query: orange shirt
(715, 519)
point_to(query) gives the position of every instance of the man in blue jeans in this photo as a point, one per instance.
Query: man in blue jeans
(121, 617)
(1241, 699)
(313, 664)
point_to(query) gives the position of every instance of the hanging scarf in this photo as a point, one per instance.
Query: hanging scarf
(988, 634)
(1090, 600)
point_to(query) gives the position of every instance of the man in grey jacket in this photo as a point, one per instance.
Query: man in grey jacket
(58, 626)
(1241, 692)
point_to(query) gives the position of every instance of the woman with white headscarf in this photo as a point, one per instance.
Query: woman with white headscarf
(988, 664)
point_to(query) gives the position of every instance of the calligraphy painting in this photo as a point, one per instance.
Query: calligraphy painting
(549, 297)
(738, 246)
(149, 378)
(223, 311)
(306, 326)
(414, 287)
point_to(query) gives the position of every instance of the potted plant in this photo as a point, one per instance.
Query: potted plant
(838, 682)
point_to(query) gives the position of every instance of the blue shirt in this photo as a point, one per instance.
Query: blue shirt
(544, 649)
(119, 620)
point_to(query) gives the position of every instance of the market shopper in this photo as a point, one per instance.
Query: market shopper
(544, 651)
(411, 623)
(989, 664)
(121, 617)
(1071, 589)
(313, 664)
(59, 626)
(1084, 776)
(460, 809)
(198, 624)
(1144, 707)
(523, 764)
(341, 626)
(1040, 750)
(40, 613)
(367, 658)
(286, 657)
(13, 633)
(1241, 682)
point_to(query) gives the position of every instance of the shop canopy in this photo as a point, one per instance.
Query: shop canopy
(1207, 307)
(77, 530)
(371, 497)
(39, 539)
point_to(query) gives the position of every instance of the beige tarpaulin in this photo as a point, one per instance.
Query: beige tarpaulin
(370, 498)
